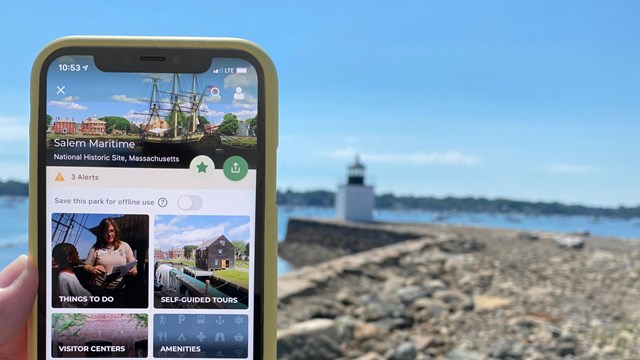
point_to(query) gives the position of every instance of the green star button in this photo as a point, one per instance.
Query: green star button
(235, 168)
(202, 167)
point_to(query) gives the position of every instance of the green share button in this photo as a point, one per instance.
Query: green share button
(235, 168)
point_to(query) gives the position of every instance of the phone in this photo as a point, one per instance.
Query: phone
(152, 199)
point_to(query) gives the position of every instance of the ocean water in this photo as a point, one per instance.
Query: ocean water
(13, 224)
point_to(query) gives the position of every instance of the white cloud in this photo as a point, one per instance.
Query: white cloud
(176, 219)
(246, 101)
(239, 229)
(205, 110)
(163, 228)
(71, 98)
(13, 128)
(125, 98)
(243, 106)
(170, 226)
(67, 105)
(189, 236)
(212, 99)
(571, 169)
(245, 114)
(133, 116)
(416, 158)
(234, 80)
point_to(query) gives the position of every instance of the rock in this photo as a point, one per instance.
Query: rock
(464, 245)
(520, 322)
(410, 294)
(425, 309)
(485, 279)
(345, 296)
(569, 241)
(565, 349)
(486, 302)
(371, 312)
(345, 326)
(526, 235)
(406, 351)
(364, 331)
(318, 307)
(422, 342)
(455, 299)
(431, 286)
(463, 354)
(504, 350)
(387, 324)
(376, 309)
(370, 356)
(567, 345)
(317, 336)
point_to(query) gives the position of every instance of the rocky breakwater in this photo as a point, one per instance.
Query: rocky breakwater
(465, 293)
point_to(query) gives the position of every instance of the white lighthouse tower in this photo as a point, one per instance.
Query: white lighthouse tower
(355, 200)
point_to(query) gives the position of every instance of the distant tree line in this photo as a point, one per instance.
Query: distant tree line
(459, 204)
(307, 198)
(13, 188)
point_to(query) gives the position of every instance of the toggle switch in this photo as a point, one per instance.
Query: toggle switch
(190, 202)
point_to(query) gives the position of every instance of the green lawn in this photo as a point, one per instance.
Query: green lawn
(242, 264)
(237, 277)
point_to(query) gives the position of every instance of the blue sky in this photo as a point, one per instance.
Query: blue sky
(534, 100)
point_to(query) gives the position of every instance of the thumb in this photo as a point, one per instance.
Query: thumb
(18, 287)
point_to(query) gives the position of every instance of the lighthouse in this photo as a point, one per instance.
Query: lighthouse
(355, 200)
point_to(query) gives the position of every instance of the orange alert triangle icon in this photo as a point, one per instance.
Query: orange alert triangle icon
(59, 177)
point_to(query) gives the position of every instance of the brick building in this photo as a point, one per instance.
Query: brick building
(175, 252)
(158, 254)
(64, 126)
(93, 126)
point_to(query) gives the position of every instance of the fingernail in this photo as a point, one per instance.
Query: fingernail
(11, 273)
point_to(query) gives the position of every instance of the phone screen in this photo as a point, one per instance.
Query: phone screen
(148, 211)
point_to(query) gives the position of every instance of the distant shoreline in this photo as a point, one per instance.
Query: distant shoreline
(14, 188)
(322, 198)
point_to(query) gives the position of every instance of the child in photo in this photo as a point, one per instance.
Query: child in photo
(66, 256)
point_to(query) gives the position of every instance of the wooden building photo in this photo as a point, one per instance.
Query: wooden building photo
(216, 254)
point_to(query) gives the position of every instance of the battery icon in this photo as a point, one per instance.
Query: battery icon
(241, 70)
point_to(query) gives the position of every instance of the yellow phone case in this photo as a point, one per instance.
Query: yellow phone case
(271, 144)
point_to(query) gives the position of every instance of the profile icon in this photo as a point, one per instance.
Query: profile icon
(238, 94)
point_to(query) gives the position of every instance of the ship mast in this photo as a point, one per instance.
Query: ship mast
(194, 104)
(175, 108)
(153, 106)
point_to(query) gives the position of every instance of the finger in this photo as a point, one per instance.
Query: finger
(18, 286)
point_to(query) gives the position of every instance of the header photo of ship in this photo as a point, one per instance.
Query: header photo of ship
(151, 120)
